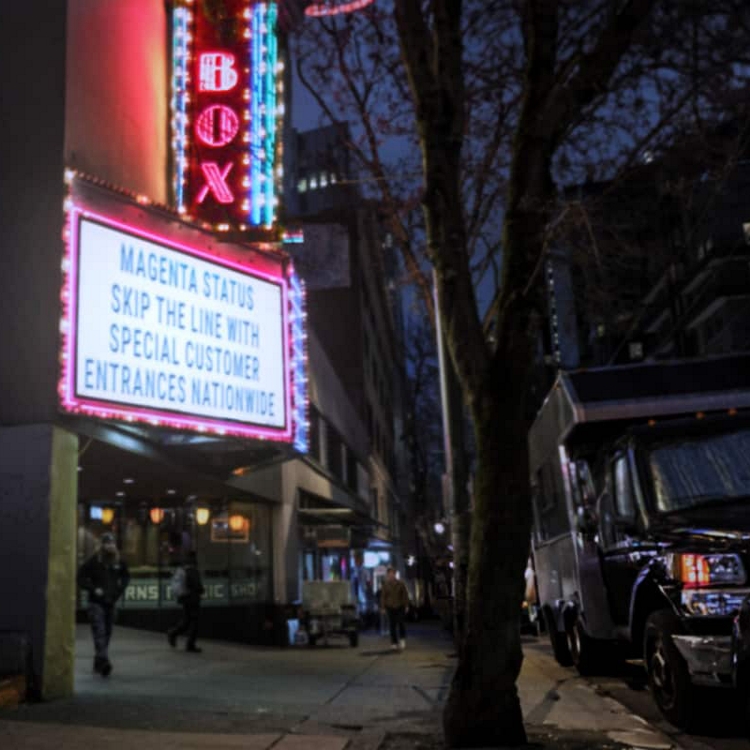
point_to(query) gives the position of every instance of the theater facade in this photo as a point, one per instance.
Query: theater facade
(154, 345)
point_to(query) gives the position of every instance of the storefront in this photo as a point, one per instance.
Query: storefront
(234, 544)
(183, 367)
(335, 543)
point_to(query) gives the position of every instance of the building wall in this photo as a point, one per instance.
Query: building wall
(117, 94)
(355, 318)
(692, 256)
(37, 549)
(31, 206)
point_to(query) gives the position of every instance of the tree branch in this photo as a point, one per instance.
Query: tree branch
(572, 92)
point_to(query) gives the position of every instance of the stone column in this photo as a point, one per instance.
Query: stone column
(38, 485)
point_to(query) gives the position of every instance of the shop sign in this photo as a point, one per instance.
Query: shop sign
(144, 593)
(332, 537)
(163, 332)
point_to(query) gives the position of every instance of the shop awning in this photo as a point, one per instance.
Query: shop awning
(159, 461)
(331, 516)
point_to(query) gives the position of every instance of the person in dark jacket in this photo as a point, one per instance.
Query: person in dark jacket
(191, 605)
(105, 577)
(394, 599)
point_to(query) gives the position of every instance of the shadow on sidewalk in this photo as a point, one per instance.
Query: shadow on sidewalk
(381, 652)
(538, 739)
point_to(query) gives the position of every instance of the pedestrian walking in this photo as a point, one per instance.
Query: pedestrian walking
(105, 577)
(394, 599)
(188, 589)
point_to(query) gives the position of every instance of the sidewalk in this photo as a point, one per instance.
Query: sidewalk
(322, 698)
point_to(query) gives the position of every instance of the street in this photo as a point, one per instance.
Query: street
(326, 697)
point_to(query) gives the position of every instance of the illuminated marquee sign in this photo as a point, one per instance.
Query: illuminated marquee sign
(161, 331)
(226, 87)
(335, 7)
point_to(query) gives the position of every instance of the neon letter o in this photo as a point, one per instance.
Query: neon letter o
(217, 125)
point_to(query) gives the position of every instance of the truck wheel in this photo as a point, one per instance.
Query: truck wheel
(668, 675)
(312, 640)
(584, 651)
(558, 641)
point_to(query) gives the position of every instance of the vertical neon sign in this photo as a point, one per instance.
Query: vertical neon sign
(298, 360)
(224, 112)
(182, 22)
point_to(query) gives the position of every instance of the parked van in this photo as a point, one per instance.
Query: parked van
(740, 658)
(641, 541)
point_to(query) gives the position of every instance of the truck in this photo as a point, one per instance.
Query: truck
(640, 485)
(740, 658)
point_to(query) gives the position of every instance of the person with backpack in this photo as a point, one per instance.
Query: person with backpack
(104, 576)
(187, 588)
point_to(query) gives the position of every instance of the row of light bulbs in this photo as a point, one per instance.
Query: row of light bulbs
(237, 522)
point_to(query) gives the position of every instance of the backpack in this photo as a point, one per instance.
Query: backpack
(178, 584)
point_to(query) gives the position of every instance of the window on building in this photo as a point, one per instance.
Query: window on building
(315, 434)
(375, 503)
(351, 470)
(323, 180)
(313, 183)
(302, 185)
(334, 448)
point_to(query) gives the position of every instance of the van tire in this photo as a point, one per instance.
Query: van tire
(558, 641)
(585, 652)
(668, 675)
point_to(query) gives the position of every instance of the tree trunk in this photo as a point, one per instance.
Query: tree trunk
(483, 707)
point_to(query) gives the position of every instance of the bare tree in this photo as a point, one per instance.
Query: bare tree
(496, 105)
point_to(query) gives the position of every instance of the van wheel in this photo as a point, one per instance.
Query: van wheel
(558, 641)
(668, 675)
(584, 651)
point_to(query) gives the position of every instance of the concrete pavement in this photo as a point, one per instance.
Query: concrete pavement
(300, 698)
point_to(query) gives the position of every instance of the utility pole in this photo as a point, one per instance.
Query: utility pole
(456, 478)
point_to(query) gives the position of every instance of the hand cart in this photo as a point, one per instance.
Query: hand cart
(328, 609)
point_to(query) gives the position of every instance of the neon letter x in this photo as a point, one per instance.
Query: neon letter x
(215, 182)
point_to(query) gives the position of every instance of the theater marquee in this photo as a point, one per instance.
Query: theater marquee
(159, 329)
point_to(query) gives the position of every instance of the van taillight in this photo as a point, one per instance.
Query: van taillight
(694, 571)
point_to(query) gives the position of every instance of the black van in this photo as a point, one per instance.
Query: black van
(641, 540)
(740, 658)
